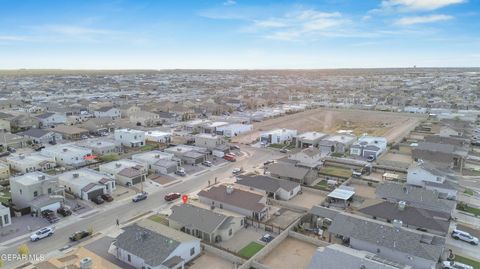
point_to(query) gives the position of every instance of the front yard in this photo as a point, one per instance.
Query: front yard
(249, 250)
(466, 208)
(465, 260)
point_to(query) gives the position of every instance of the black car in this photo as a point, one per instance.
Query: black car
(98, 200)
(266, 238)
(79, 235)
(64, 211)
(107, 197)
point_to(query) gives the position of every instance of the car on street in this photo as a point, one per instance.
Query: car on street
(139, 197)
(172, 196)
(464, 236)
(284, 150)
(79, 235)
(268, 162)
(98, 200)
(107, 197)
(237, 171)
(42, 233)
(230, 157)
(455, 265)
(207, 163)
(180, 173)
(64, 211)
(267, 238)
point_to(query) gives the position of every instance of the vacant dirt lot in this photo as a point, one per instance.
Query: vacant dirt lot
(291, 253)
(308, 198)
(391, 125)
(209, 260)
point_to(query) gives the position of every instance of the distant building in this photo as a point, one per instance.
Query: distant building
(5, 218)
(278, 136)
(130, 137)
(369, 147)
(25, 163)
(423, 174)
(158, 137)
(87, 184)
(42, 136)
(309, 139)
(68, 154)
(279, 189)
(50, 119)
(126, 172)
(107, 112)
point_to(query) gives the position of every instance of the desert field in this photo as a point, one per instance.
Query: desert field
(393, 126)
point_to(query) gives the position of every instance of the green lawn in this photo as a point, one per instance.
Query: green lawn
(474, 263)
(159, 218)
(109, 157)
(148, 147)
(463, 207)
(251, 249)
(323, 185)
(468, 191)
(276, 146)
(5, 196)
(336, 171)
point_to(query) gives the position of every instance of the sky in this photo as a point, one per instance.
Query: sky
(238, 34)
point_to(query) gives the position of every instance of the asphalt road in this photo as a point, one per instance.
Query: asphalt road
(106, 219)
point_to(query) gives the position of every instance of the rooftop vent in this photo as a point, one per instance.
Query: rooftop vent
(397, 223)
(75, 175)
(229, 189)
(86, 263)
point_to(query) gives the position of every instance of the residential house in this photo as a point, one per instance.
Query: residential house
(278, 136)
(424, 174)
(50, 119)
(157, 161)
(25, 163)
(339, 143)
(5, 218)
(37, 191)
(42, 136)
(369, 147)
(69, 132)
(107, 112)
(211, 225)
(158, 137)
(247, 203)
(86, 183)
(233, 129)
(293, 172)
(127, 110)
(278, 189)
(149, 244)
(100, 146)
(12, 140)
(442, 155)
(5, 122)
(309, 157)
(130, 138)
(188, 154)
(78, 258)
(24, 122)
(215, 143)
(211, 127)
(167, 117)
(68, 154)
(309, 139)
(144, 118)
(4, 171)
(126, 172)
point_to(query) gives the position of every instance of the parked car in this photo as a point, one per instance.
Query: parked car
(38, 147)
(284, 150)
(98, 200)
(232, 147)
(237, 171)
(50, 215)
(64, 211)
(42, 233)
(455, 265)
(207, 163)
(180, 173)
(464, 236)
(11, 149)
(172, 196)
(371, 158)
(79, 235)
(267, 238)
(230, 158)
(107, 197)
(268, 162)
(139, 197)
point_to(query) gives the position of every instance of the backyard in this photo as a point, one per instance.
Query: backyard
(251, 249)
(336, 171)
(5, 196)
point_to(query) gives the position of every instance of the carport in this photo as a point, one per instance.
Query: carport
(342, 193)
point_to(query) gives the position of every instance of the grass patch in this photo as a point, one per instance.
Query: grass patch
(148, 147)
(323, 185)
(469, 192)
(251, 249)
(276, 146)
(466, 208)
(5, 196)
(159, 218)
(336, 171)
(109, 157)
(474, 263)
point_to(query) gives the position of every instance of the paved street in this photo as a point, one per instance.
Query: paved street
(126, 210)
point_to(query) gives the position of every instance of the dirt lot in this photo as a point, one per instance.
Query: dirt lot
(208, 260)
(291, 253)
(286, 218)
(391, 125)
(308, 198)
(397, 157)
(363, 190)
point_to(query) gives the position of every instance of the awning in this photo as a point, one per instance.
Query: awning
(90, 157)
(341, 194)
(390, 175)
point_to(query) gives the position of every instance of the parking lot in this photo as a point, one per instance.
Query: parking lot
(308, 198)
(291, 253)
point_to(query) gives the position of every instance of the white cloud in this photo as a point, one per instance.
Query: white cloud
(422, 19)
(71, 30)
(229, 3)
(12, 38)
(425, 5)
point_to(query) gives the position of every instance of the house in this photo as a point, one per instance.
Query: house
(329, 257)
(86, 183)
(129, 109)
(157, 161)
(167, 117)
(188, 154)
(247, 203)
(75, 259)
(37, 191)
(5, 218)
(100, 146)
(339, 143)
(50, 119)
(25, 163)
(309, 157)
(42, 136)
(4, 171)
(424, 174)
(12, 140)
(24, 122)
(149, 244)
(69, 132)
(107, 112)
(144, 118)
(5, 122)
(211, 127)
(158, 137)
(442, 155)
(212, 142)
(309, 139)
(195, 126)
(293, 172)
(278, 136)
(278, 189)
(387, 241)
(414, 196)
(233, 129)
(68, 154)
(369, 146)
(126, 172)
(212, 226)
(130, 138)
(164, 166)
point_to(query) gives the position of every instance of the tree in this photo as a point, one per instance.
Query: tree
(23, 250)
(90, 230)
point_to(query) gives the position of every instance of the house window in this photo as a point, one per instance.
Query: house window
(241, 222)
(230, 232)
(35, 193)
(192, 251)
(20, 191)
(5, 219)
(49, 190)
(129, 258)
(221, 206)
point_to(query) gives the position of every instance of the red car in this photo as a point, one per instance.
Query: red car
(172, 196)
(230, 158)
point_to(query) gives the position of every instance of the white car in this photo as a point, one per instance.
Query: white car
(42, 233)
(455, 265)
(464, 236)
(236, 171)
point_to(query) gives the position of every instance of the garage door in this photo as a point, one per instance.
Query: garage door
(136, 180)
(52, 207)
(95, 193)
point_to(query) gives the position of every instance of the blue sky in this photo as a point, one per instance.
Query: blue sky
(231, 34)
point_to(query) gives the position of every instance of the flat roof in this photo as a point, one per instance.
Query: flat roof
(342, 194)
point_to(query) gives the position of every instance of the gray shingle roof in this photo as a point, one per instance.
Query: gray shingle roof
(37, 133)
(45, 115)
(197, 218)
(239, 198)
(288, 170)
(267, 183)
